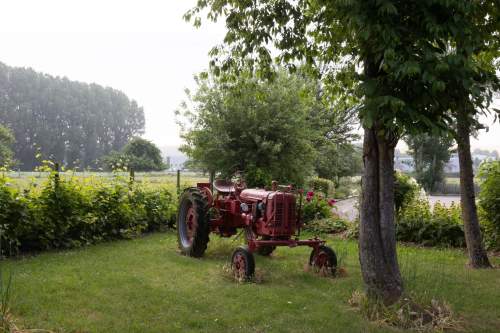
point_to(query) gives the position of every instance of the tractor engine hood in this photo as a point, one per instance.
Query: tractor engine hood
(255, 195)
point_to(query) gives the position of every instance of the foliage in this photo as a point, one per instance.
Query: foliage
(316, 206)
(288, 127)
(489, 203)
(64, 120)
(6, 142)
(258, 128)
(430, 154)
(329, 225)
(405, 190)
(138, 154)
(325, 186)
(440, 226)
(338, 160)
(417, 223)
(72, 212)
(352, 231)
(257, 177)
(403, 72)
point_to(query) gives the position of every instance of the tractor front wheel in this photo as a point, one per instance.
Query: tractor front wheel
(242, 264)
(324, 260)
(192, 223)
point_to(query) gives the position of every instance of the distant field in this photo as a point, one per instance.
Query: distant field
(23, 180)
(453, 180)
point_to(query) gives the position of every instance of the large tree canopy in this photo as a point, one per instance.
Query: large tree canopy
(251, 127)
(71, 122)
(269, 130)
(397, 57)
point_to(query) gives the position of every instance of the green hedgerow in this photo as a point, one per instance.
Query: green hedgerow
(326, 186)
(71, 212)
(489, 203)
(441, 226)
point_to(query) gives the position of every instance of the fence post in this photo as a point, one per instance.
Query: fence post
(56, 175)
(131, 177)
(178, 181)
(211, 180)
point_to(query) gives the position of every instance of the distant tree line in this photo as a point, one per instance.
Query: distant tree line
(71, 122)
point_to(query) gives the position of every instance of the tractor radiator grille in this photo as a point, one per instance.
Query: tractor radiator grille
(279, 215)
(284, 215)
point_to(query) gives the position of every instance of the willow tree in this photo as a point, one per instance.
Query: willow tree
(386, 51)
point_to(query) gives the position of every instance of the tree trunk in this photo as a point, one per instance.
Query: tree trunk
(377, 237)
(477, 254)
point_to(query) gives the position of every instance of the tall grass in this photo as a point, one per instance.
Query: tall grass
(5, 293)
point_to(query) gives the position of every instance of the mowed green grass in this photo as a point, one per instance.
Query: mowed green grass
(145, 285)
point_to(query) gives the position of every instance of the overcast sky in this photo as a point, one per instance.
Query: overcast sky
(143, 48)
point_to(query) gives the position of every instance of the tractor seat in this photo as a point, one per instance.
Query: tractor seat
(224, 186)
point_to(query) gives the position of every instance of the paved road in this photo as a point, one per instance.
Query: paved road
(347, 208)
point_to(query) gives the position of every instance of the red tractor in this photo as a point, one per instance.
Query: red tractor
(268, 218)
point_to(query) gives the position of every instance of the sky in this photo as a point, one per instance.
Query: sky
(143, 48)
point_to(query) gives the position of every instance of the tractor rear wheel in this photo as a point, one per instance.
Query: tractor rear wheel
(243, 264)
(192, 223)
(265, 250)
(324, 260)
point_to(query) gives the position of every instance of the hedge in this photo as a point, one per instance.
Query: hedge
(73, 212)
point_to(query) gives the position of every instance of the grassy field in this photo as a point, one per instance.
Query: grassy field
(23, 180)
(144, 285)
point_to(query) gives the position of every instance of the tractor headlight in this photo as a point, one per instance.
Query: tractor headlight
(244, 207)
(261, 206)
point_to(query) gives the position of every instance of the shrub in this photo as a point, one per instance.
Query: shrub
(326, 186)
(13, 213)
(352, 231)
(332, 225)
(72, 212)
(489, 203)
(316, 207)
(405, 190)
(417, 223)
(59, 214)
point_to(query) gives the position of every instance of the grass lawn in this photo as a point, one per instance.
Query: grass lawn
(144, 285)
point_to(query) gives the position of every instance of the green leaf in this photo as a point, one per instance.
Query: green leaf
(388, 8)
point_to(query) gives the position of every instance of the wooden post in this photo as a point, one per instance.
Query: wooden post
(211, 180)
(131, 176)
(56, 175)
